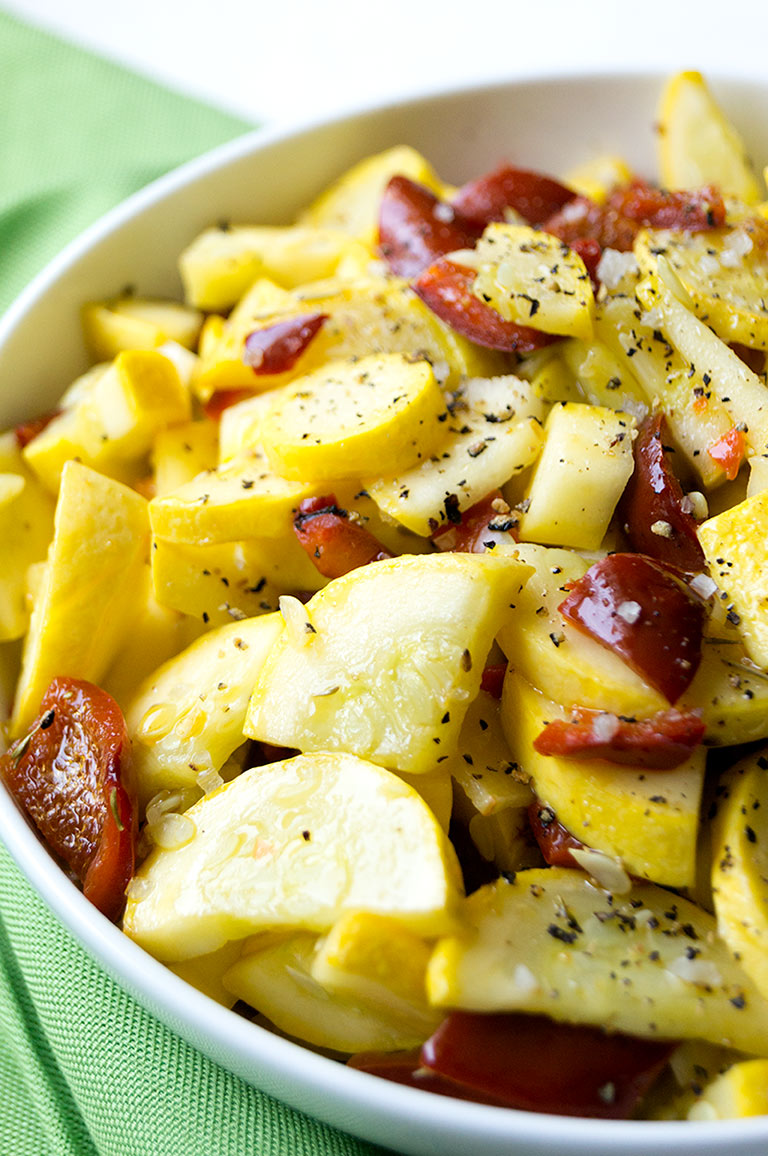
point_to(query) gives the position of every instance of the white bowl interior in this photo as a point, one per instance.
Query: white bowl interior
(266, 177)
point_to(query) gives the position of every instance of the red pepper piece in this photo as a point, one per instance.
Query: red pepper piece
(654, 496)
(334, 542)
(590, 252)
(555, 841)
(658, 743)
(645, 613)
(222, 399)
(728, 451)
(582, 219)
(478, 526)
(492, 679)
(530, 1062)
(26, 431)
(691, 210)
(277, 348)
(72, 775)
(407, 1068)
(416, 227)
(533, 195)
(446, 288)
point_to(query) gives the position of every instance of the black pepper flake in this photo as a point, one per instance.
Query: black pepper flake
(561, 934)
(739, 1002)
(748, 831)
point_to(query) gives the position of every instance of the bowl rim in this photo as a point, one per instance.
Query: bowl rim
(210, 1027)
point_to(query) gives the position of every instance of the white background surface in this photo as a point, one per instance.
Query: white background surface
(277, 60)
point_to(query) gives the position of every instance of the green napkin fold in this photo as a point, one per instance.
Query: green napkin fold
(84, 1070)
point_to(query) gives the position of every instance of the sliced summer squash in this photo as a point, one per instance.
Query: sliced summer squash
(295, 844)
(647, 963)
(383, 662)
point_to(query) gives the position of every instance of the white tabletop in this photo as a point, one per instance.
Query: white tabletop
(275, 60)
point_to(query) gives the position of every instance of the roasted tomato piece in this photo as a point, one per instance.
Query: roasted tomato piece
(691, 210)
(222, 399)
(478, 527)
(529, 1062)
(492, 679)
(416, 227)
(333, 540)
(407, 1068)
(72, 775)
(646, 614)
(728, 451)
(533, 195)
(27, 430)
(582, 219)
(446, 288)
(658, 743)
(652, 507)
(555, 841)
(590, 252)
(277, 348)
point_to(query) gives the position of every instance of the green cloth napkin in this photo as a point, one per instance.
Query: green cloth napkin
(84, 1070)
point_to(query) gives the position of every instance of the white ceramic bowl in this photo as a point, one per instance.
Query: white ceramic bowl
(265, 177)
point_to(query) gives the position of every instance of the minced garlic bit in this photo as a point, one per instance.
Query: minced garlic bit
(296, 619)
(662, 528)
(606, 871)
(630, 611)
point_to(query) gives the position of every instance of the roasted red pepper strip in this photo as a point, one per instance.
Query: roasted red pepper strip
(27, 430)
(478, 526)
(334, 542)
(653, 497)
(276, 348)
(72, 775)
(690, 210)
(555, 841)
(658, 743)
(533, 195)
(728, 451)
(646, 614)
(446, 288)
(530, 1062)
(416, 227)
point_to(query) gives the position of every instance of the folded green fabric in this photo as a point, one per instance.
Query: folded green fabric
(84, 1070)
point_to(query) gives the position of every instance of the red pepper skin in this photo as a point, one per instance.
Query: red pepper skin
(332, 540)
(662, 640)
(653, 494)
(416, 227)
(72, 775)
(690, 210)
(533, 1063)
(445, 287)
(728, 451)
(533, 195)
(555, 841)
(277, 348)
(476, 527)
(659, 743)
